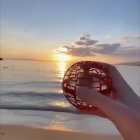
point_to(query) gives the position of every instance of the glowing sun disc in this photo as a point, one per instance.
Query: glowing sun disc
(62, 57)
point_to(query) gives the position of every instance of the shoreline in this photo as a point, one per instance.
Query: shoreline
(18, 132)
(42, 125)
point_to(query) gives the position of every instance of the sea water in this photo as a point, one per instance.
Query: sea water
(36, 85)
(31, 94)
(33, 85)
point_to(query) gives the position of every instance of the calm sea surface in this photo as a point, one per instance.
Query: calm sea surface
(36, 85)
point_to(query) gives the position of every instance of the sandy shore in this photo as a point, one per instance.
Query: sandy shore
(17, 132)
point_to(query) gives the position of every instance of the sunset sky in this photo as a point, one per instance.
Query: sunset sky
(100, 30)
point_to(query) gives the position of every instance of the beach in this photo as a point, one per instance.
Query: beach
(42, 125)
(23, 132)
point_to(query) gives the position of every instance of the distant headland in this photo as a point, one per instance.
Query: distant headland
(131, 63)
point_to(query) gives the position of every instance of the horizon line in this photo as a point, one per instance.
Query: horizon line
(60, 61)
(36, 60)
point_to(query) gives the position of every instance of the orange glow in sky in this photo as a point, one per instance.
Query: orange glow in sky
(42, 32)
(62, 57)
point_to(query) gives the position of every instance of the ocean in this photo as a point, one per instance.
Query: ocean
(31, 94)
(36, 85)
(33, 85)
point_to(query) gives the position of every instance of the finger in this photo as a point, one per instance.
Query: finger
(87, 95)
(96, 112)
(112, 109)
(80, 93)
(118, 83)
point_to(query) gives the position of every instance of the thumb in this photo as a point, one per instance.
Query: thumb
(90, 95)
(113, 109)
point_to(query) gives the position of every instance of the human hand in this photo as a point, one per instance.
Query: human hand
(123, 111)
(122, 92)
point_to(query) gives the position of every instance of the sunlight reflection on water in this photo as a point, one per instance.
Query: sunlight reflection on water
(61, 69)
(60, 103)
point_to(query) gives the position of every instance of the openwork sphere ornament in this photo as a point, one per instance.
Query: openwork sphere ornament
(89, 74)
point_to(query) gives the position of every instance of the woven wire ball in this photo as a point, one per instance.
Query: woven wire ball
(88, 74)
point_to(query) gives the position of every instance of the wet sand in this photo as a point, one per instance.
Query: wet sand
(17, 132)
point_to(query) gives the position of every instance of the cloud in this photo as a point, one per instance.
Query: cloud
(92, 50)
(129, 39)
(83, 47)
(129, 51)
(107, 48)
(86, 46)
(79, 51)
(86, 41)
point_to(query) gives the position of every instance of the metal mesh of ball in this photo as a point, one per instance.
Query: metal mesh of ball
(86, 73)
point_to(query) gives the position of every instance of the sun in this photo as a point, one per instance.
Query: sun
(62, 57)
